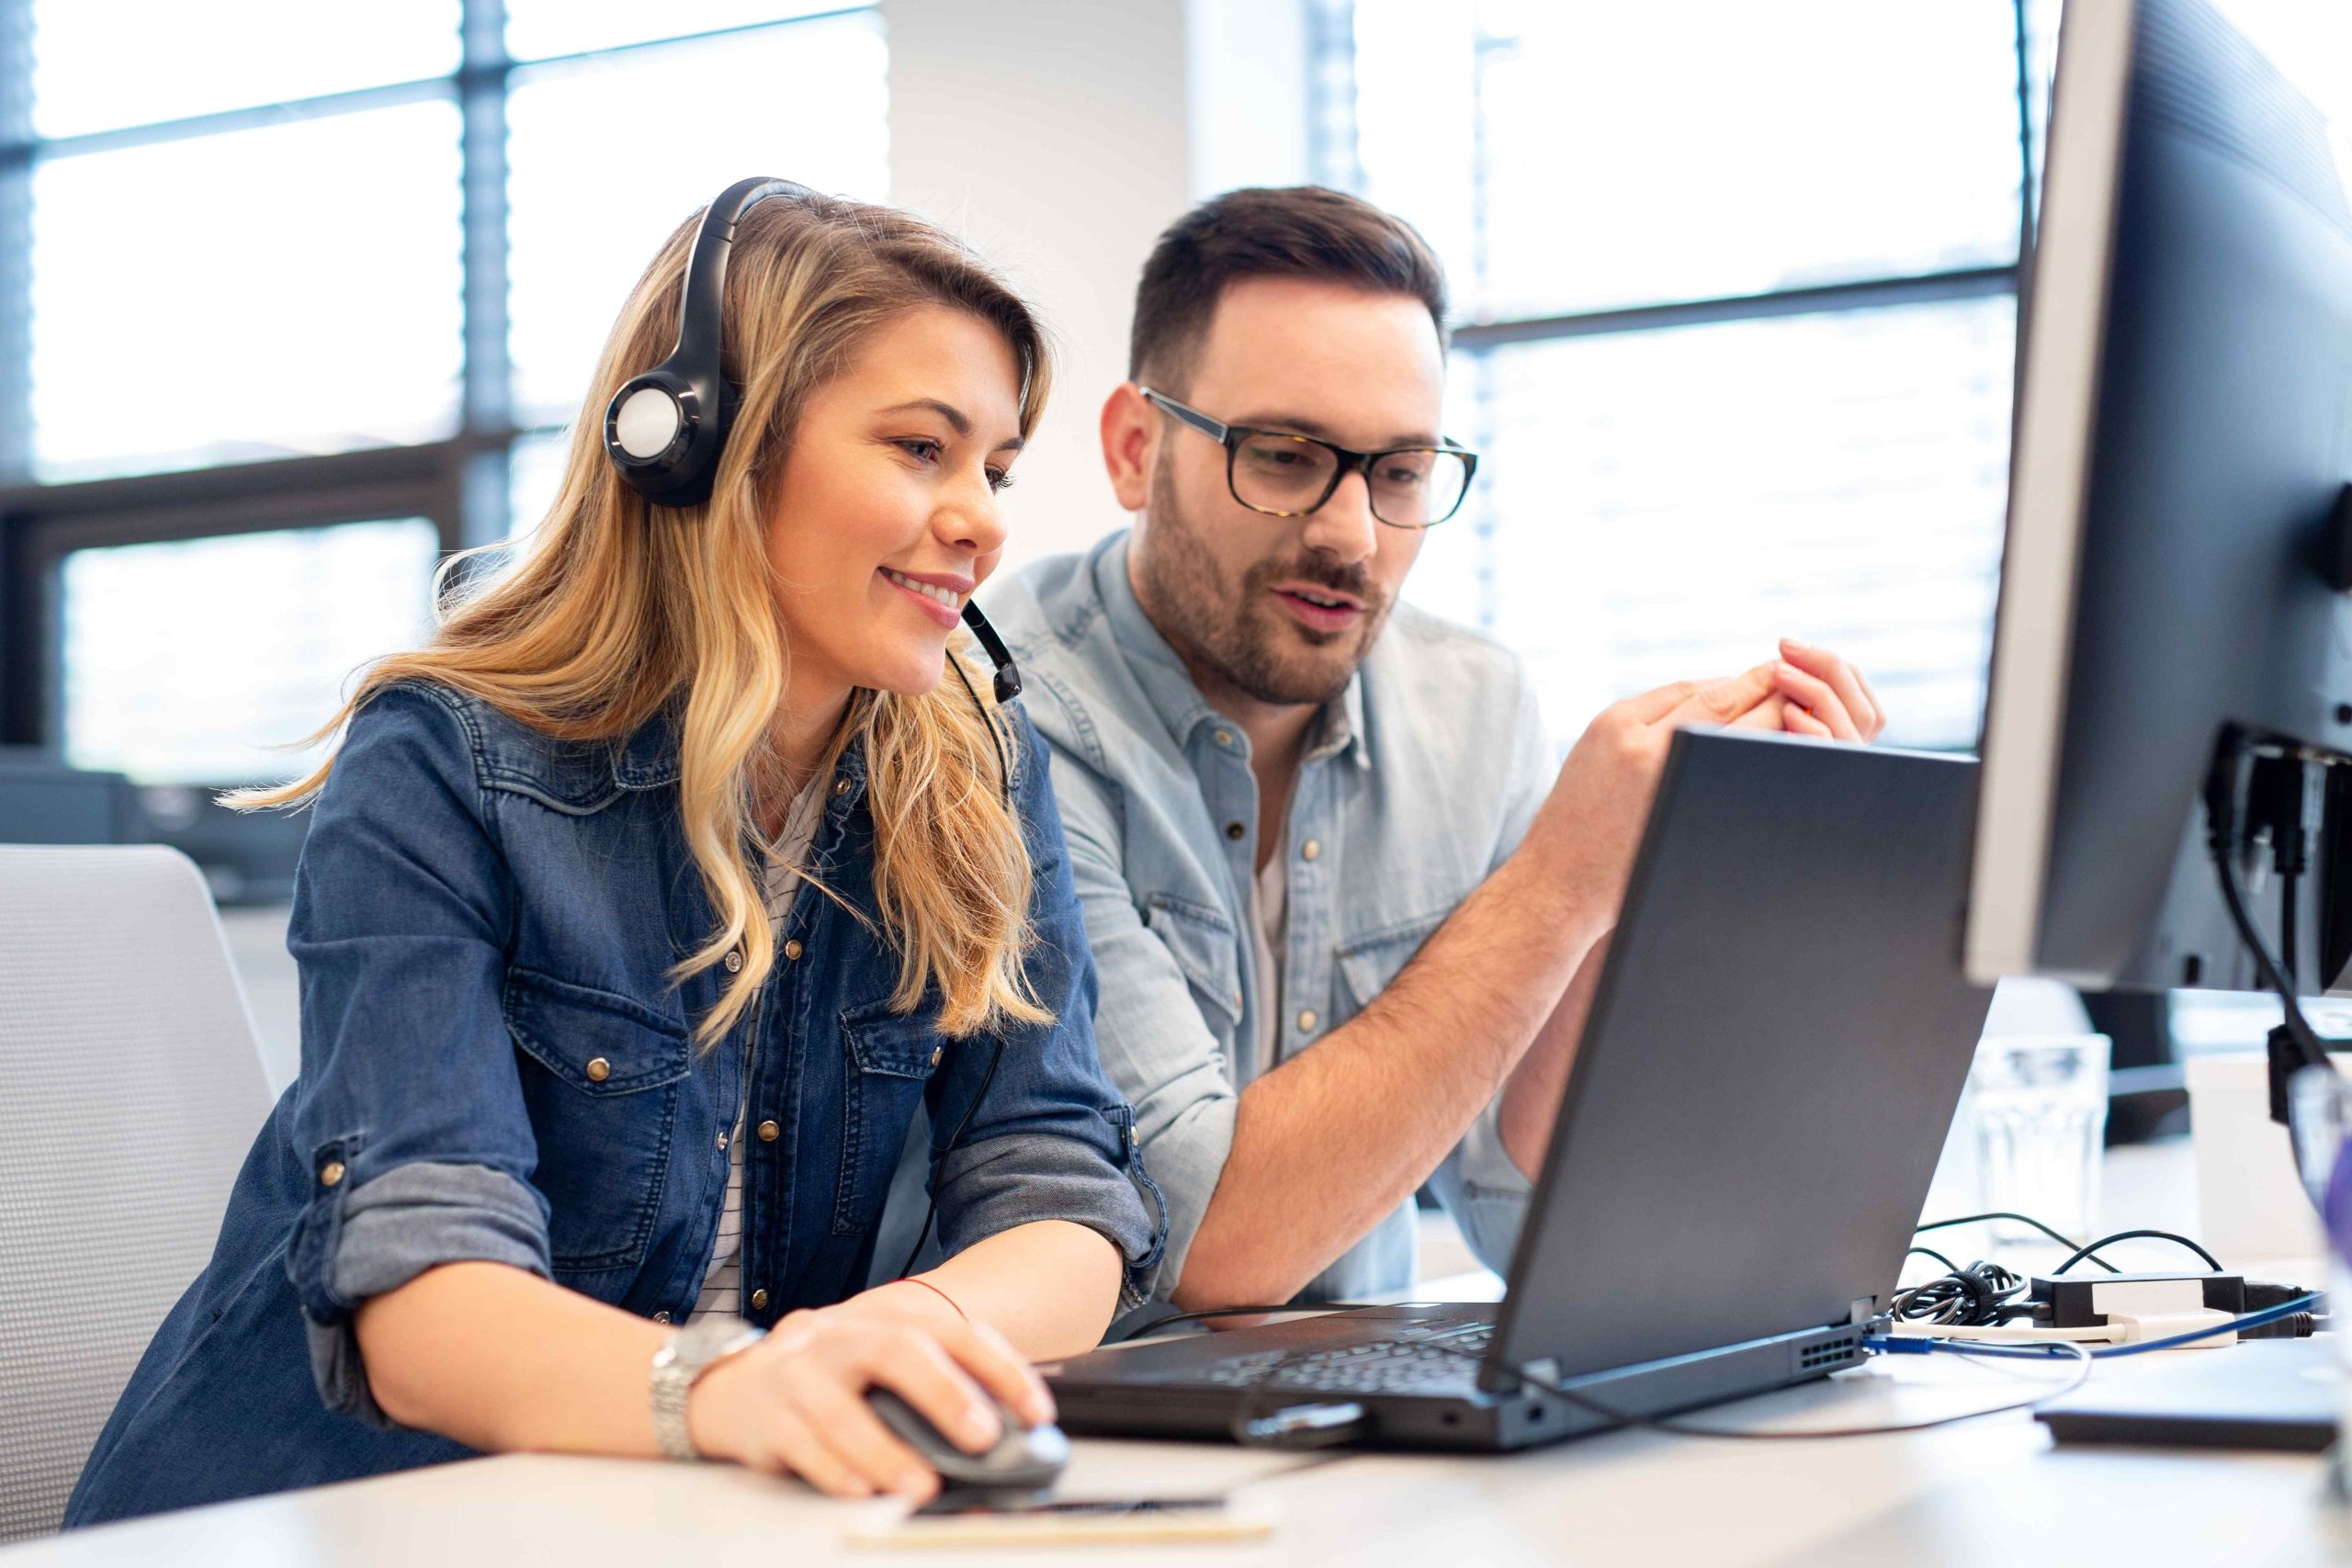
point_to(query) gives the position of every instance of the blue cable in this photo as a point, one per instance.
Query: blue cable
(1887, 1345)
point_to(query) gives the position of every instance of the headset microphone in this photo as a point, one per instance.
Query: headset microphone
(1008, 674)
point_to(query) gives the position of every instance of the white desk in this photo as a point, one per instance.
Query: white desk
(1960, 1495)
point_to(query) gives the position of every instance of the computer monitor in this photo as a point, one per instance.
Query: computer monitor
(2176, 563)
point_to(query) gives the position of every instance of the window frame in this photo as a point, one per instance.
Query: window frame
(460, 483)
(1335, 161)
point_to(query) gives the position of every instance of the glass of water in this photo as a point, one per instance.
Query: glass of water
(2039, 1106)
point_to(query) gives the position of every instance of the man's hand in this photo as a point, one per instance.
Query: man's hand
(1592, 819)
(1815, 693)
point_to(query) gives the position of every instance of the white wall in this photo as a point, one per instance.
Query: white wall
(1060, 137)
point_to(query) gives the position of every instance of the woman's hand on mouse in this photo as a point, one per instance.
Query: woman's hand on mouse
(795, 1401)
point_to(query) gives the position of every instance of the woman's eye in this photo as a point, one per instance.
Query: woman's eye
(922, 448)
(999, 479)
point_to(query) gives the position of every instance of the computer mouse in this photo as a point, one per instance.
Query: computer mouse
(1026, 1459)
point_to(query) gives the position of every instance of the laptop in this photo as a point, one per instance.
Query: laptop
(1773, 1056)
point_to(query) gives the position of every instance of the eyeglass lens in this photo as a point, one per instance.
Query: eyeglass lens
(1284, 473)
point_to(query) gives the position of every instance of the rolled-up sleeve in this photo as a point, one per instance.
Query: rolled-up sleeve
(410, 1114)
(1051, 1139)
(1479, 1182)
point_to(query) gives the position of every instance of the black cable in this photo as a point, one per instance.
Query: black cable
(955, 1139)
(1156, 1324)
(2021, 1219)
(1978, 1296)
(931, 1210)
(2221, 838)
(1931, 1252)
(2211, 1261)
(2287, 928)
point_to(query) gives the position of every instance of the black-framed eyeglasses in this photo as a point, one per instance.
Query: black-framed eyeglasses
(1287, 475)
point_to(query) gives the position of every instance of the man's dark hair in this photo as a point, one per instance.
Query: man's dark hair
(1294, 231)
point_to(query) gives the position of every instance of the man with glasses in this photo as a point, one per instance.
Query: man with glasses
(1346, 905)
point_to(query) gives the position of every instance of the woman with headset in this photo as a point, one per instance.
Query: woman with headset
(641, 910)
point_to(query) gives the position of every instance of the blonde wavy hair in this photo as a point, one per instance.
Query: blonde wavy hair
(620, 608)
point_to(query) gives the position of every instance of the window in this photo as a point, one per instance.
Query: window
(1735, 287)
(168, 677)
(591, 203)
(296, 300)
(237, 297)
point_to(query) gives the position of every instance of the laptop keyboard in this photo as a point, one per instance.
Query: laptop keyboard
(1427, 1363)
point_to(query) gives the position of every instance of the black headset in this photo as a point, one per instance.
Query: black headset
(664, 430)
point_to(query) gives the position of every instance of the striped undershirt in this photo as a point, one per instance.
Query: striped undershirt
(722, 1287)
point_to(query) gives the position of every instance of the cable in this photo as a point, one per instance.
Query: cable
(2234, 1326)
(2021, 1219)
(1931, 1252)
(2211, 1261)
(1004, 777)
(1156, 1324)
(1977, 1296)
(2221, 838)
(931, 1210)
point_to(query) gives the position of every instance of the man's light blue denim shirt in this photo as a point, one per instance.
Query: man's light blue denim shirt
(1421, 778)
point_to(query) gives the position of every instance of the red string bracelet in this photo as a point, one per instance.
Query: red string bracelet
(935, 1291)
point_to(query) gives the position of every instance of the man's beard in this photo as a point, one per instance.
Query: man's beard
(1237, 632)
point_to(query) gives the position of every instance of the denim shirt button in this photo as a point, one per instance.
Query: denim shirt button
(841, 787)
(769, 1131)
(734, 962)
(661, 1317)
(1234, 830)
(1306, 1021)
(1310, 850)
(936, 1052)
(599, 1069)
(759, 1300)
(792, 949)
(331, 1174)
(1225, 737)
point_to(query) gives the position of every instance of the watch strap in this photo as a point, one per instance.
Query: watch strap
(682, 1359)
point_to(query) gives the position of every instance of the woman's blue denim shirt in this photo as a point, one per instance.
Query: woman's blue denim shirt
(496, 1066)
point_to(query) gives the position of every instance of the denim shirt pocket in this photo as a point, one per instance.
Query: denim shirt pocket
(889, 1058)
(1368, 962)
(600, 1080)
(1205, 948)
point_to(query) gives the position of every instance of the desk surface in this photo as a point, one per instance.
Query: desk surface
(1946, 1496)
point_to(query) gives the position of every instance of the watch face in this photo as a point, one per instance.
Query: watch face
(700, 1341)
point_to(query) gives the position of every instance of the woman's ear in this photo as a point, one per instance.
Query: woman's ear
(1129, 428)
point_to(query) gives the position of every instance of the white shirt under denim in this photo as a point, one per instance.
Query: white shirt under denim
(1419, 780)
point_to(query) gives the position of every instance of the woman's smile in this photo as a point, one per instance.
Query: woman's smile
(937, 595)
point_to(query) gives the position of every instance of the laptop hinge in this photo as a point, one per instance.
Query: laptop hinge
(1862, 1310)
(1546, 1369)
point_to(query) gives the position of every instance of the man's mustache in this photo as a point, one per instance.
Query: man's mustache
(1351, 580)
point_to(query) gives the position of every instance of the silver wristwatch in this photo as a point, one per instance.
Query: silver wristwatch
(684, 1357)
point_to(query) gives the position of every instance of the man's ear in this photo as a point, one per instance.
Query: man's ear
(1129, 424)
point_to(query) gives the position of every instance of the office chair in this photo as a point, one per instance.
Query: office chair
(131, 1086)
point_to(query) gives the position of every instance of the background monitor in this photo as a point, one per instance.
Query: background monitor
(2183, 442)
